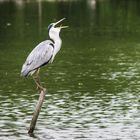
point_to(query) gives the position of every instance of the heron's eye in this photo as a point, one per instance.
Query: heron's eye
(49, 27)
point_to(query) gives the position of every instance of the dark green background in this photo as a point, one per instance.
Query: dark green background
(94, 82)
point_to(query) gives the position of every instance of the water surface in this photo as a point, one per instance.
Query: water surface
(94, 82)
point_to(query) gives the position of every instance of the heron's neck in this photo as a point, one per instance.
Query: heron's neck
(57, 44)
(58, 41)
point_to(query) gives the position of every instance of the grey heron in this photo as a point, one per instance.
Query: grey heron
(44, 53)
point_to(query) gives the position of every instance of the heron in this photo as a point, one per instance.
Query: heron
(43, 54)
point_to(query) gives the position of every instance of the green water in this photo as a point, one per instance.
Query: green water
(94, 82)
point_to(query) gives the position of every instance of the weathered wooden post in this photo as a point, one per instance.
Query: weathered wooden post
(37, 111)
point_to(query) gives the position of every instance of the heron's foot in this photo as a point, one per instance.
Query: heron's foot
(40, 88)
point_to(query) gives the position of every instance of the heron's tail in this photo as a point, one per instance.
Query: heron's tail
(24, 73)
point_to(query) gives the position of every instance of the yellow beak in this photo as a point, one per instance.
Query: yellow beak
(60, 22)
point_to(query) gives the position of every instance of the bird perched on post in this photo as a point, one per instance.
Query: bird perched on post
(43, 53)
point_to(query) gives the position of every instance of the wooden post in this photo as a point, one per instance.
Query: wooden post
(37, 111)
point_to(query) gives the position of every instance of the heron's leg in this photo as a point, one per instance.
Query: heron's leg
(37, 80)
(39, 87)
(37, 76)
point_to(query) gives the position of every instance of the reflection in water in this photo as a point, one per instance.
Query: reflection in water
(40, 14)
(92, 4)
(94, 82)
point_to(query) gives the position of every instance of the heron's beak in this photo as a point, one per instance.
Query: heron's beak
(60, 25)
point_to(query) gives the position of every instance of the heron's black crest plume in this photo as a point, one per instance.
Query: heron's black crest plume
(49, 27)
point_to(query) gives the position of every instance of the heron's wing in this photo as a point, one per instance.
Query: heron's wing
(39, 56)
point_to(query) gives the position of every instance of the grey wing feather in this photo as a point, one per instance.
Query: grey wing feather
(39, 56)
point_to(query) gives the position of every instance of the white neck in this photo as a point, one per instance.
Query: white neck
(57, 46)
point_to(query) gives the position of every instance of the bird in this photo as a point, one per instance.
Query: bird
(43, 54)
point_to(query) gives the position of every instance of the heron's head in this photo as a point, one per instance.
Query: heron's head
(54, 29)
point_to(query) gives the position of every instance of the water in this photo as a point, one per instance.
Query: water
(94, 82)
